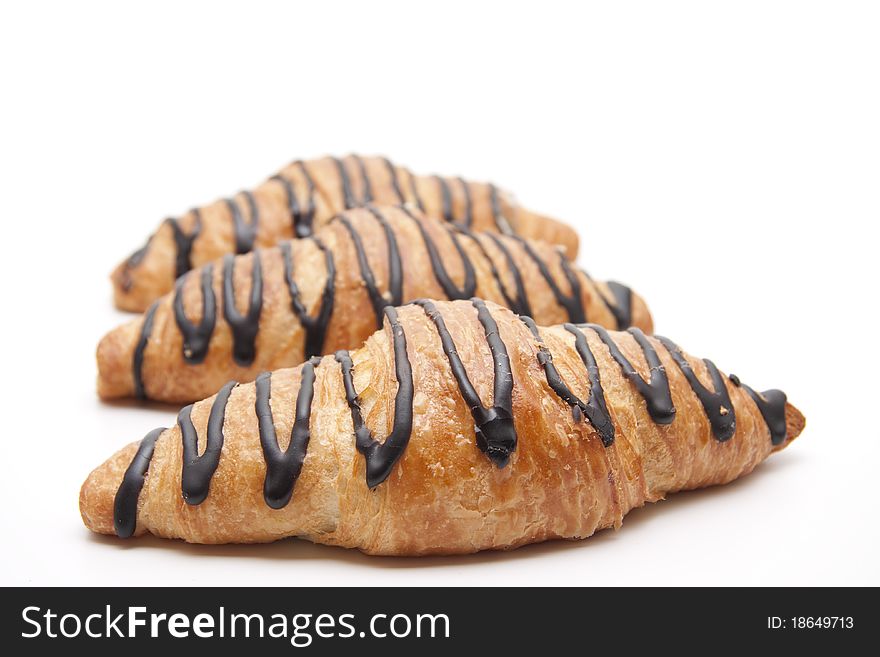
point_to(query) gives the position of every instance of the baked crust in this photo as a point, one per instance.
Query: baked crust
(443, 495)
(301, 198)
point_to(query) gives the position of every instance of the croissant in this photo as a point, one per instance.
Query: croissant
(301, 198)
(279, 306)
(458, 427)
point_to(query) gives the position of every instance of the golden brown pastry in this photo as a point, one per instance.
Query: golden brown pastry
(458, 427)
(301, 198)
(279, 306)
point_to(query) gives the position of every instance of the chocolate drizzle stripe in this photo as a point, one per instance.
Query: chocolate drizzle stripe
(395, 183)
(656, 392)
(497, 215)
(245, 232)
(381, 457)
(244, 327)
(622, 306)
(198, 470)
(365, 179)
(301, 218)
(519, 304)
(137, 362)
(395, 270)
(717, 404)
(125, 504)
(450, 289)
(283, 467)
(445, 198)
(494, 428)
(572, 303)
(196, 337)
(598, 414)
(771, 404)
(592, 410)
(345, 184)
(183, 243)
(315, 327)
(468, 203)
(415, 191)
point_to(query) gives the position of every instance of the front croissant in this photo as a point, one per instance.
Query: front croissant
(280, 306)
(458, 427)
(301, 198)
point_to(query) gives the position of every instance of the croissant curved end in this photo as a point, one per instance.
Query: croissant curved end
(794, 426)
(114, 357)
(98, 492)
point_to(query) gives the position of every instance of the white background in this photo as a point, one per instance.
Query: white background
(722, 159)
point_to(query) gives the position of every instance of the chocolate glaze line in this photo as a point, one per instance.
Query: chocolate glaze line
(365, 179)
(395, 276)
(395, 183)
(196, 337)
(494, 428)
(414, 188)
(125, 504)
(717, 404)
(315, 327)
(592, 410)
(520, 303)
(622, 306)
(771, 404)
(244, 327)
(183, 243)
(500, 220)
(450, 289)
(292, 203)
(599, 416)
(381, 457)
(345, 184)
(656, 392)
(573, 303)
(198, 470)
(283, 467)
(245, 232)
(301, 219)
(446, 198)
(468, 203)
(137, 361)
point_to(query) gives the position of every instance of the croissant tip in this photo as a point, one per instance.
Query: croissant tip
(113, 356)
(794, 424)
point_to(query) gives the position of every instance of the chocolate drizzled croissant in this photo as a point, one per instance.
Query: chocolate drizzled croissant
(301, 198)
(457, 427)
(277, 307)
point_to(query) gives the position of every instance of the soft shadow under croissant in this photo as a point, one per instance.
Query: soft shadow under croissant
(458, 427)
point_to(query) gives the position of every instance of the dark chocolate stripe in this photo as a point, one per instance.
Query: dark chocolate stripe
(494, 428)
(445, 198)
(519, 304)
(315, 327)
(717, 404)
(196, 337)
(283, 467)
(500, 220)
(244, 327)
(365, 180)
(771, 404)
(468, 203)
(137, 362)
(598, 415)
(573, 303)
(245, 232)
(415, 191)
(450, 289)
(183, 243)
(592, 409)
(622, 306)
(345, 184)
(395, 183)
(656, 392)
(198, 469)
(292, 203)
(125, 504)
(395, 276)
(381, 457)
